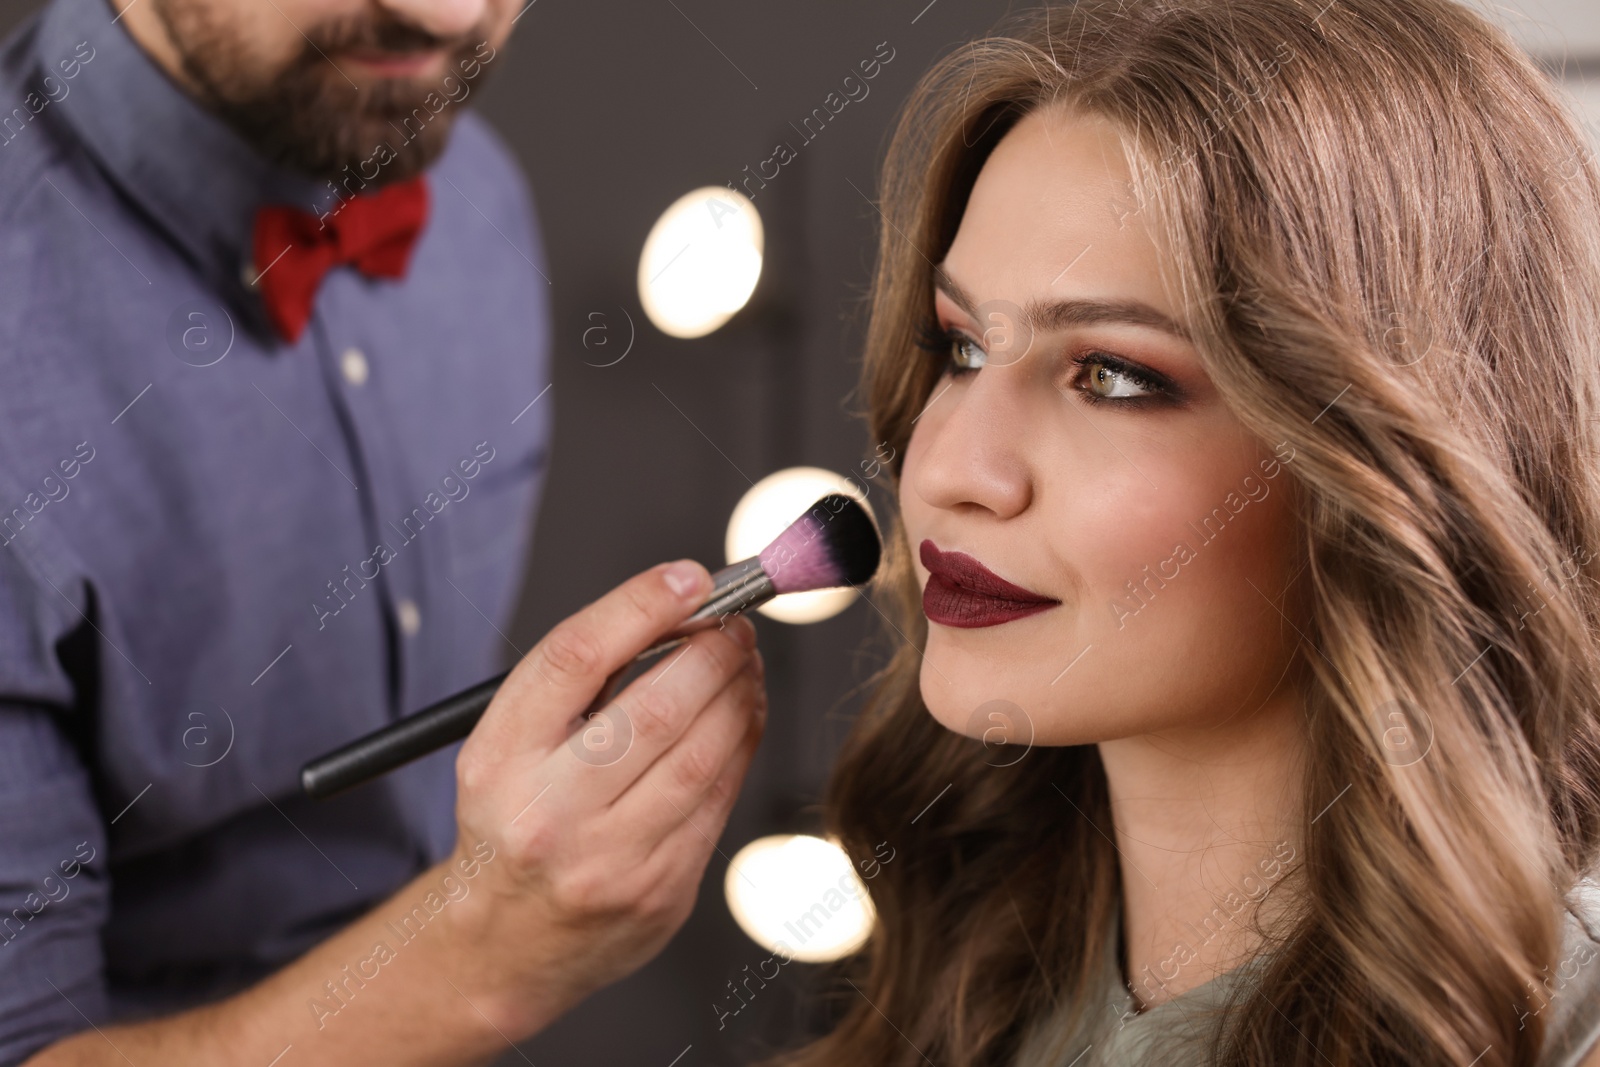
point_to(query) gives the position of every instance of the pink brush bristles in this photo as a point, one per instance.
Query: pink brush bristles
(835, 543)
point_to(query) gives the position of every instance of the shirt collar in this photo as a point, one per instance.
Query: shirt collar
(187, 168)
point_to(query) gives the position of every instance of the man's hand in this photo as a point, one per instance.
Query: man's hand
(596, 859)
(602, 829)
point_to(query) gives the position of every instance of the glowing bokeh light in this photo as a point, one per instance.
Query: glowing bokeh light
(798, 895)
(701, 261)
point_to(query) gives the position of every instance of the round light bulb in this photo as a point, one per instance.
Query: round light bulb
(701, 261)
(799, 896)
(765, 511)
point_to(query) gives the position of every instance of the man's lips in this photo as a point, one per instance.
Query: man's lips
(397, 64)
(963, 592)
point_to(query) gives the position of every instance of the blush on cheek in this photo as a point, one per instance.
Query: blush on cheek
(1235, 528)
(1131, 549)
(1198, 630)
(1181, 611)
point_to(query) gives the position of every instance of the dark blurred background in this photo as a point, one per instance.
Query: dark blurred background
(616, 110)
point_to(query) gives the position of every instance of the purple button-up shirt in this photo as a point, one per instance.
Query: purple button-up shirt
(221, 555)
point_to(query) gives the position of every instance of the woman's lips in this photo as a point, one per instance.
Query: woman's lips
(963, 592)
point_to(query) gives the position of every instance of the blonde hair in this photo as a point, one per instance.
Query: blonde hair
(1384, 230)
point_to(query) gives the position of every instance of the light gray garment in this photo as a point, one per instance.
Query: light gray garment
(1177, 1031)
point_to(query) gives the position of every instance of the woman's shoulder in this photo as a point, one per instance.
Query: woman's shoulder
(1570, 1001)
(1571, 994)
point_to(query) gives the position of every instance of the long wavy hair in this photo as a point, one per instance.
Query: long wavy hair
(1384, 227)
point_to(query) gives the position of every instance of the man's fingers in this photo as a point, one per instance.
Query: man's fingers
(562, 793)
(677, 782)
(689, 840)
(608, 752)
(565, 670)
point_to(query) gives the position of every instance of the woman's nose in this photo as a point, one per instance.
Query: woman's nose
(973, 452)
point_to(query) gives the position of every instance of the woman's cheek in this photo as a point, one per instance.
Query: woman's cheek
(1132, 544)
(1192, 620)
(1182, 502)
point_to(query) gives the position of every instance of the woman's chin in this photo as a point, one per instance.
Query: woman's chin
(980, 705)
(945, 712)
(980, 710)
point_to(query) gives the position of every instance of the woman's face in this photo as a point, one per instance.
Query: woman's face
(1076, 449)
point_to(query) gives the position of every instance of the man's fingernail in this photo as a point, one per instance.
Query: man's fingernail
(744, 631)
(685, 578)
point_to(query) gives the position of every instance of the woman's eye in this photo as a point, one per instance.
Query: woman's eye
(965, 355)
(1098, 376)
(1103, 377)
(960, 353)
(1104, 382)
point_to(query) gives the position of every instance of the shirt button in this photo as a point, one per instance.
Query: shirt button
(354, 366)
(410, 617)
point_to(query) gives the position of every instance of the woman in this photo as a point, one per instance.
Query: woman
(1241, 360)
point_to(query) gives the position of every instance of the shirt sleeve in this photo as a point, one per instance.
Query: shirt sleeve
(54, 896)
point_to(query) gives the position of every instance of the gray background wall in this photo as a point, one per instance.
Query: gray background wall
(615, 110)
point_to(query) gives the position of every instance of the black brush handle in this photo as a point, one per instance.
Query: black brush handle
(438, 725)
(402, 741)
(735, 588)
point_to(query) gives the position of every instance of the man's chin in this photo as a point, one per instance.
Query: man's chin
(357, 153)
(310, 121)
(393, 149)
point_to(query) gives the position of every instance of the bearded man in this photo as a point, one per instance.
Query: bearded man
(271, 442)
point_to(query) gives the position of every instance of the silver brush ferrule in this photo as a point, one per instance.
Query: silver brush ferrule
(734, 588)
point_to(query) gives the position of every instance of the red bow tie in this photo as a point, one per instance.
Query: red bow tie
(294, 248)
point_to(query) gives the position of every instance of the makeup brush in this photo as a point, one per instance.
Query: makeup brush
(835, 543)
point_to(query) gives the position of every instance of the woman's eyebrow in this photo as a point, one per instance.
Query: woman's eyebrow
(1044, 317)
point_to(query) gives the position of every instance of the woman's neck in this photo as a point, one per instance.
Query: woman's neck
(1205, 821)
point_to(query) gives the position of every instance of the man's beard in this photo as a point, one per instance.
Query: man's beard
(308, 116)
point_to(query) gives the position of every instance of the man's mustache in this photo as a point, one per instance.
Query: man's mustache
(367, 34)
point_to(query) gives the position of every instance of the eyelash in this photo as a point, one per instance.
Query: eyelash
(939, 341)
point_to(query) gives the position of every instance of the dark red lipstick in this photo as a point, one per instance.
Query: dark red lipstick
(963, 592)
